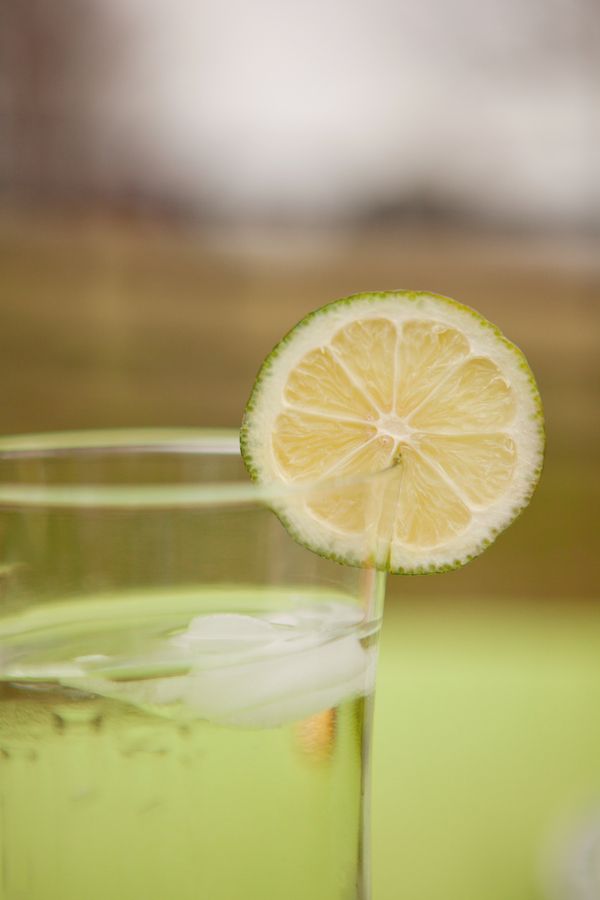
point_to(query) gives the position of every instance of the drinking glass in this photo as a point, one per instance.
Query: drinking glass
(185, 690)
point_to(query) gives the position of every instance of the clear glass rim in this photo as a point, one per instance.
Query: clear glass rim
(196, 441)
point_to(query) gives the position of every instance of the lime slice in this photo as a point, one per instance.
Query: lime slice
(408, 383)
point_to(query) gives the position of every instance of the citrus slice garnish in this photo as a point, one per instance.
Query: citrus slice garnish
(410, 384)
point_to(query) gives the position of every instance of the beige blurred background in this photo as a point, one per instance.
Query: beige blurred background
(180, 183)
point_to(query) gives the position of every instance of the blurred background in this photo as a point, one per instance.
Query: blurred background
(180, 183)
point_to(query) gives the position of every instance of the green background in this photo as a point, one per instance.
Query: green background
(487, 748)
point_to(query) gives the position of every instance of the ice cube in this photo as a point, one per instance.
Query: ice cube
(282, 688)
(224, 632)
(260, 674)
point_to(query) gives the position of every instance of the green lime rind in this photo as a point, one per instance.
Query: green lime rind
(383, 562)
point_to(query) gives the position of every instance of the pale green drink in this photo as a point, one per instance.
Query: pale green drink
(224, 760)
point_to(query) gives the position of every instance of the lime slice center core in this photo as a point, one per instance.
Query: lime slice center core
(394, 427)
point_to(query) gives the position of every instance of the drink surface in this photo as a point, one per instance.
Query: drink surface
(203, 744)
